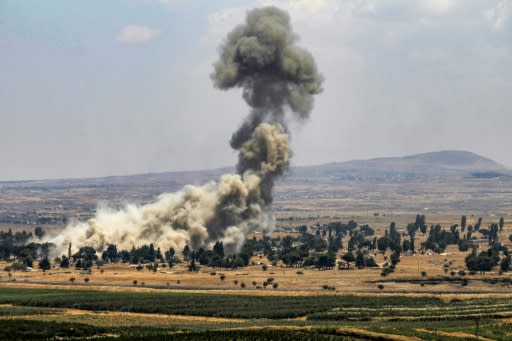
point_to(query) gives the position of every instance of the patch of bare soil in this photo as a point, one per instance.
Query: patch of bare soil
(461, 335)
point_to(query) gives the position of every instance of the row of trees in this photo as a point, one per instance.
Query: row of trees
(313, 247)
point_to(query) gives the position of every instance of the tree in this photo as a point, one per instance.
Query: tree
(484, 261)
(463, 222)
(39, 232)
(395, 258)
(326, 261)
(364, 260)
(169, 254)
(110, 254)
(502, 223)
(192, 266)
(411, 230)
(423, 229)
(64, 262)
(478, 224)
(85, 257)
(218, 248)
(505, 264)
(349, 258)
(44, 264)
(186, 252)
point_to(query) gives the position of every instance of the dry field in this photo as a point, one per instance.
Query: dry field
(407, 278)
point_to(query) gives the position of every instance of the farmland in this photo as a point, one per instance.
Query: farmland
(429, 294)
(127, 315)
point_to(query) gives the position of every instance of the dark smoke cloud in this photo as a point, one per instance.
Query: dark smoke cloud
(259, 56)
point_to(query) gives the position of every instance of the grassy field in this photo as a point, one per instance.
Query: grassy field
(30, 314)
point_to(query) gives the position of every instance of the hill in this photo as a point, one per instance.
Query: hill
(427, 165)
(446, 181)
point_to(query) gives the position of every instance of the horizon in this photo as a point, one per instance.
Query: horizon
(227, 167)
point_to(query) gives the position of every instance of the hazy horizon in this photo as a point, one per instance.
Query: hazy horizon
(232, 166)
(93, 89)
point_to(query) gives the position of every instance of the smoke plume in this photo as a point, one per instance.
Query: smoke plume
(278, 80)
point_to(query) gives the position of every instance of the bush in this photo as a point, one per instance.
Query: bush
(222, 277)
(134, 282)
(275, 285)
(264, 267)
(462, 273)
(86, 279)
(72, 279)
(386, 271)
(380, 286)
(423, 273)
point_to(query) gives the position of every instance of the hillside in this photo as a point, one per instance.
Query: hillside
(427, 165)
(434, 164)
(442, 181)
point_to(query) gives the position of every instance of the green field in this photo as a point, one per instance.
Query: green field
(39, 314)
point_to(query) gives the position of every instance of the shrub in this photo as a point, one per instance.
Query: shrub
(264, 267)
(386, 271)
(242, 285)
(134, 282)
(462, 273)
(222, 277)
(380, 286)
(72, 279)
(423, 273)
(275, 285)
(86, 279)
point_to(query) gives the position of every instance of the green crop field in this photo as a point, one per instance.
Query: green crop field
(42, 314)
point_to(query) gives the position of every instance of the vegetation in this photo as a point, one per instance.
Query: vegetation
(317, 246)
(354, 318)
(197, 304)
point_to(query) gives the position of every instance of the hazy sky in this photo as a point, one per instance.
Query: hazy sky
(93, 88)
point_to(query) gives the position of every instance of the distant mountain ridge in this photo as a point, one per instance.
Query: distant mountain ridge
(446, 181)
(425, 165)
(433, 164)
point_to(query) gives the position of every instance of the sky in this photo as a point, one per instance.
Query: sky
(102, 87)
